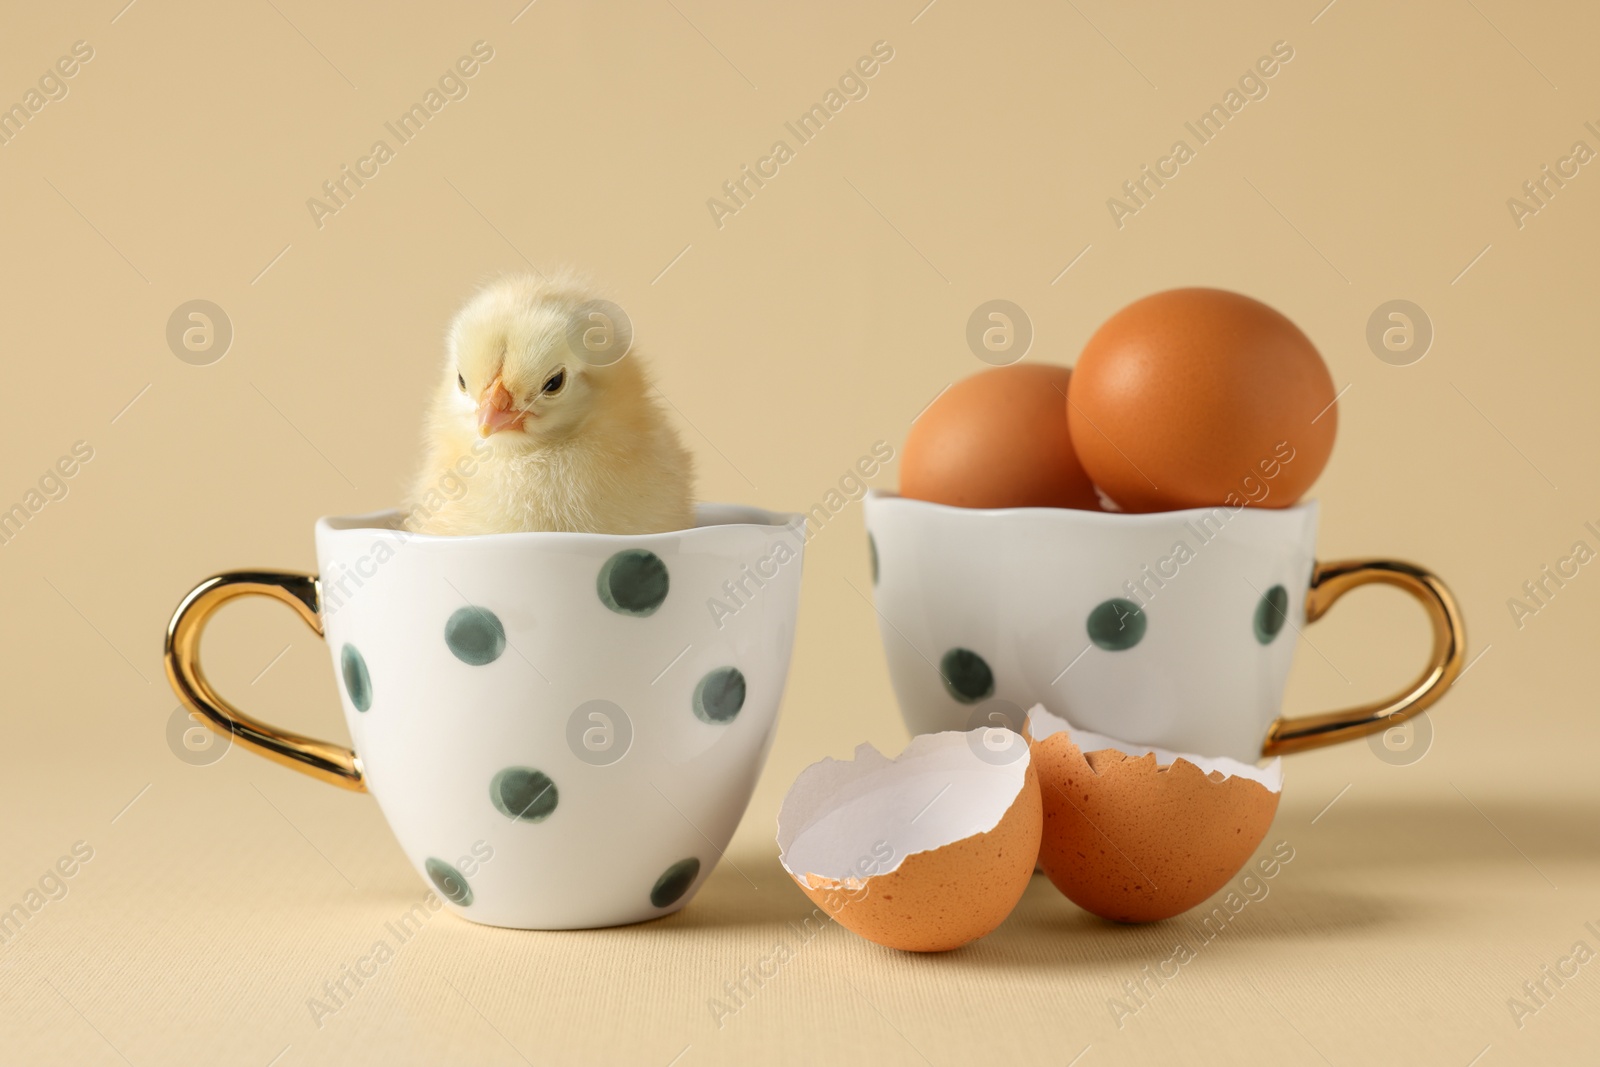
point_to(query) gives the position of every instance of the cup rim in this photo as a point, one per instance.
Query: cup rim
(889, 498)
(386, 522)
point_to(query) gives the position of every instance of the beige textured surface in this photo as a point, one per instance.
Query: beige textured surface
(817, 320)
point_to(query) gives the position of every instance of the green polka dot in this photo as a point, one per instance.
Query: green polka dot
(633, 582)
(719, 696)
(475, 636)
(1272, 611)
(1117, 625)
(672, 885)
(357, 682)
(966, 676)
(524, 793)
(872, 554)
(451, 885)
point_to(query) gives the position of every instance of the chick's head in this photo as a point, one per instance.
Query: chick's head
(512, 368)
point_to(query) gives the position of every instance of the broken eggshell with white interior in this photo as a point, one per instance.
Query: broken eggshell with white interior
(924, 852)
(1136, 834)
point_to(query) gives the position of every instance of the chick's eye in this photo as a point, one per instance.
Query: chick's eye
(554, 383)
(461, 380)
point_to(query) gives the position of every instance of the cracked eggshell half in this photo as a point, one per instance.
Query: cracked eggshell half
(924, 852)
(1137, 834)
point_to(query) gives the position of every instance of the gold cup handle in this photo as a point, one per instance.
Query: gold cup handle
(1329, 582)
(320, 759)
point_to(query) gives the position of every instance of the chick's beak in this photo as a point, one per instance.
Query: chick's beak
(498, 411)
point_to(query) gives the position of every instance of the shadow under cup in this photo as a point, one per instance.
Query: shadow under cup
(562, 729)
(1173, 629)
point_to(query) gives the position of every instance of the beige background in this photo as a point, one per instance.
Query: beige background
(818, 320)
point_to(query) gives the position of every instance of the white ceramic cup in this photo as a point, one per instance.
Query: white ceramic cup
(1173, 629)
(562, 729)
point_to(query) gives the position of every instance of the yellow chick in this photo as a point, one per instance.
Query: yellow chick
(529, 431)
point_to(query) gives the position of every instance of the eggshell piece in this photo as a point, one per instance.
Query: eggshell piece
(924, 853)
(1200, 398)
(1142, 837)
(998, 439)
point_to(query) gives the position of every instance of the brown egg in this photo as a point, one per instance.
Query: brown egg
(1142, 838)
(1199, 398)
(998, 439)
(925, 852)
